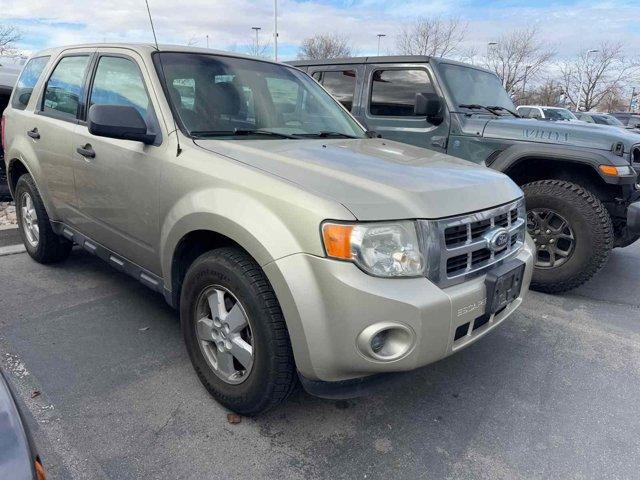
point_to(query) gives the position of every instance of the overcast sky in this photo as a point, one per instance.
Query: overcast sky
(568, 25)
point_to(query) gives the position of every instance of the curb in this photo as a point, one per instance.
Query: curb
(12, 250)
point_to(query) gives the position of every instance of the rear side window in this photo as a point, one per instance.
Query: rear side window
(28, 79)
(524, 112)
(340, 84)
(118, 81)
(393, 92)
(64, 88)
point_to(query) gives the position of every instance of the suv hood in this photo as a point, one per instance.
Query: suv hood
(587, 135)
(376, 179)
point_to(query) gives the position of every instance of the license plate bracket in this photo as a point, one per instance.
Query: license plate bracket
(504, 285)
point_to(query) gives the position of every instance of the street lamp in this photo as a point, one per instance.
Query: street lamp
(490, 46)
(275, 30)
(380, 35)
(586, 60)
(257, 29)
(207, 41)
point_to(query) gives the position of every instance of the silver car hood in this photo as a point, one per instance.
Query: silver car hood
(376, 179)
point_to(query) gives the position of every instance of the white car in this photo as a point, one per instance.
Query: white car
(547, 113)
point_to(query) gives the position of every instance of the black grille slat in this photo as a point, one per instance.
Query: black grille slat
(456, 264)
(455, 235)
(480, 256)
(479, 228)
(502, 220)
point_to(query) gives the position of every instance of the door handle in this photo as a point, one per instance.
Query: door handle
(440, 142)
(34, 133)
(87, 151)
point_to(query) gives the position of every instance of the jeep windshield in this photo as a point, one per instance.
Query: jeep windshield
(559, 114)
(470, 86)
(238, 98)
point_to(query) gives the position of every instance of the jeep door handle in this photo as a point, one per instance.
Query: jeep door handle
(87, 151)
(34, 133)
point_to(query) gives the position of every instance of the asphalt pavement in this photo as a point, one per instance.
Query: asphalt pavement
(99, 364)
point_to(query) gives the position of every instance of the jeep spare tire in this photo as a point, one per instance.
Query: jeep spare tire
(572, 232)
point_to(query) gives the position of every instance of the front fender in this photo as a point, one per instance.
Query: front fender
(266, 230)
(591, 158)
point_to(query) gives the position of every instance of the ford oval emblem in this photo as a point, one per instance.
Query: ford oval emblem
(497, 239)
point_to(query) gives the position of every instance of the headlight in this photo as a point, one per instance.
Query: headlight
(387, 249)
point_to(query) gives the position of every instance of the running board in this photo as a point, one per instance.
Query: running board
(144, 276)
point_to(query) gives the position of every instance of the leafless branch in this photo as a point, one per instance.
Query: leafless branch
(325, 46)
(9, 35)
(434, 36)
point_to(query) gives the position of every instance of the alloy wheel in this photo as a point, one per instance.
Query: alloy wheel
(553, 236)
(224, 334)
(29, 220)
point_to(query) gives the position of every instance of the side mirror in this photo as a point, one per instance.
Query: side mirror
(429, 105)
(119, 121)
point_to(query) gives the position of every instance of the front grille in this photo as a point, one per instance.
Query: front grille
(635, 154)
(459, 248)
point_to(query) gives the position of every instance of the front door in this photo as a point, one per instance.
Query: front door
(343, 82)
(389, 100)
(117, 180)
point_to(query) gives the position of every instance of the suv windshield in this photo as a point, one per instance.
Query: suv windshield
(469, 86)
(607, 120)
(220, 96)
(558, 114)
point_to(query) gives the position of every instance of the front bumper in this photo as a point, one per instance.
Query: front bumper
(327, 304)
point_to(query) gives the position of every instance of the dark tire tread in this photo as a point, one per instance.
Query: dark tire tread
(282, 377)
(52, 248)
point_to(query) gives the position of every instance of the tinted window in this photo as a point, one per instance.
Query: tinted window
(524, 111)
(589, 118)
(393, 92)
(64, 88)
(118, 81)
(340, 84)
(28, 79)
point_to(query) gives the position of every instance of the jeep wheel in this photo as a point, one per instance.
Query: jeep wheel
(235, 332)
(41, 242)
(572, 231)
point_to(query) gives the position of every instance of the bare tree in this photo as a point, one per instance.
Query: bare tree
(324, 46)
(9, 35)
(434, 36)
(549, 92)
(601, 74)
(258, 48)
(517, 57)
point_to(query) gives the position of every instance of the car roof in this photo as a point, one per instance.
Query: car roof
(148, 48)
(382, 59)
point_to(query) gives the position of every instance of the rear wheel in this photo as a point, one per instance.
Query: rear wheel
(572, 231)
(235, 332)
(41, 242)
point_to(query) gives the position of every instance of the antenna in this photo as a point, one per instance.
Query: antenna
(164, 77)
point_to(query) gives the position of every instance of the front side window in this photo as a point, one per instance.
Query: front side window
(558, 114)
(340, 84)
(118, 81)
(393, 92)
(227, 97)
(28, 79)
(524, 111)
(64, 88)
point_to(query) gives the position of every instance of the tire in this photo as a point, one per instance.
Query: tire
(48, 247)
(589, 225)
(272, 376)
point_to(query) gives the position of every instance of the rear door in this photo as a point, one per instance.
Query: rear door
(389, 99)
(117, 184)
(51, 129)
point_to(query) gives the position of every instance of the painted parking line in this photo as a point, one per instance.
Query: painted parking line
(12, 250)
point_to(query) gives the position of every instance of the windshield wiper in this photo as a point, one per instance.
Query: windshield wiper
(327, 134)
(237, 132)
(499, 108)
(476, 106)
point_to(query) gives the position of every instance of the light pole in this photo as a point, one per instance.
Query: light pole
(586, 61)
(524, 80)
(380, 35)
(491, 46)
(207, 41)
(275, 30)
(633, 95)
(257, 29)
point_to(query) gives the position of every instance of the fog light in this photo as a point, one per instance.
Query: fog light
(386, 341)
(377, 342)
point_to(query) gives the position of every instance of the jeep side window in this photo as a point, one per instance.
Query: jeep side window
(393, 92)
(524, 112)
(341, 84)
(28, 79)
(64, 87)
(118, 81)
(535, 113)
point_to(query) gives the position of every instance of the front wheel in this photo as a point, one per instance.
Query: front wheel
(235, 332)
(572, 232)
